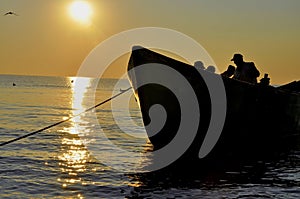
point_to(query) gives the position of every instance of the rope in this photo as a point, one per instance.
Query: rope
(65, 120)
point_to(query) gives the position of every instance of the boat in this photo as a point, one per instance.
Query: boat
(256, 120)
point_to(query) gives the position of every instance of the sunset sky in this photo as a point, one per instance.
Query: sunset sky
(46, 38)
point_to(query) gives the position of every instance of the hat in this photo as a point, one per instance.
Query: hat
(237, 56)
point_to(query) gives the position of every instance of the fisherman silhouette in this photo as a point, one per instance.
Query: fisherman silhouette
(245, 71)
(265, 81)
(211, 69)
(199, 65)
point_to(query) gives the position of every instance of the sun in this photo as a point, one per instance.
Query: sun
(81, 11)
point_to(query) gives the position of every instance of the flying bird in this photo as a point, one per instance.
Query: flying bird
(10, 13)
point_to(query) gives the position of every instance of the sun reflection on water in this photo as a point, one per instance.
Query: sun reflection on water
(79, 91)
(75, 161)
(74, 155)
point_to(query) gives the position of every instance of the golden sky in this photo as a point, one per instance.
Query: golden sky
(44, 39)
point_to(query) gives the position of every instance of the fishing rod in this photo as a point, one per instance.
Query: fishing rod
(65, 120)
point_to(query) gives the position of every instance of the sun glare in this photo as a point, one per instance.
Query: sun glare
(81, 11)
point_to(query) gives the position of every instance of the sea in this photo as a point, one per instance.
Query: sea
(76, 150)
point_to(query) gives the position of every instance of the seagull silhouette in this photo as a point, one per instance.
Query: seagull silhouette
(10, 13)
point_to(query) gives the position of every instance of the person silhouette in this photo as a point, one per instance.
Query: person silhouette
(245, 71)
(199, 65)
(211, 69)
(265, 81)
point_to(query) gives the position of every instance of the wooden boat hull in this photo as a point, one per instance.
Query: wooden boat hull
(259, 119)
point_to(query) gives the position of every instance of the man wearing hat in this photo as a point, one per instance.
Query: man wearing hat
(245, 71)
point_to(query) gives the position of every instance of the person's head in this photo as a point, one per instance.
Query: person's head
(211, 69)
(237, 58)
(199, 65)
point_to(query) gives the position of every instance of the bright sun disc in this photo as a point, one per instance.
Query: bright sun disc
(81, 11)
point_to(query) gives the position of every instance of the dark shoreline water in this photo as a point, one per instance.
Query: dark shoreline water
(58, 163)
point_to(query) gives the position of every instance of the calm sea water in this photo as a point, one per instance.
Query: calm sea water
(77, 159)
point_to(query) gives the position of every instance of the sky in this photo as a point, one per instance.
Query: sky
(45, 39)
